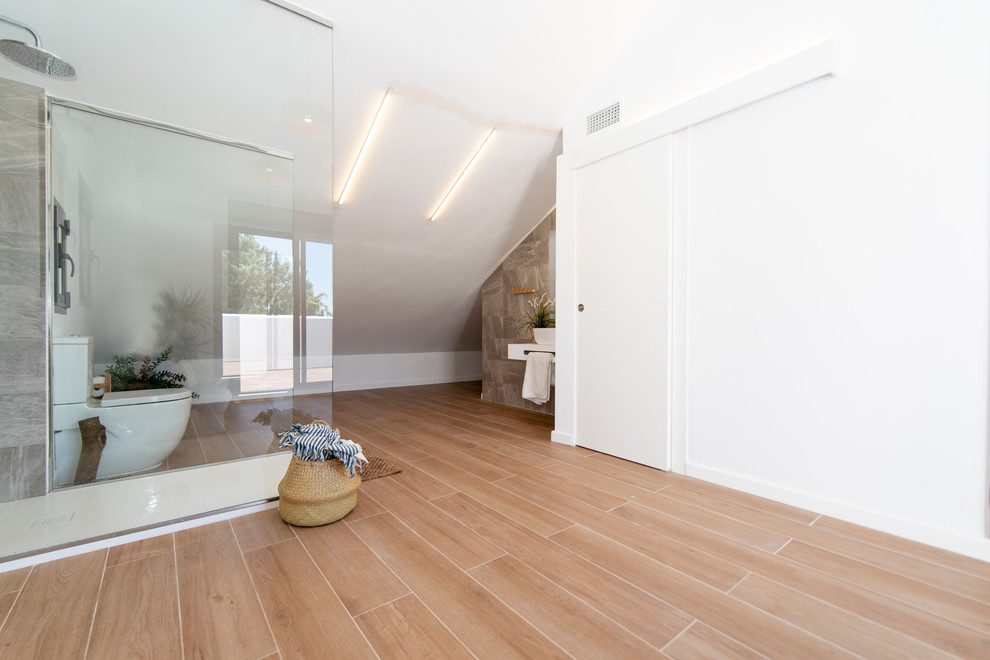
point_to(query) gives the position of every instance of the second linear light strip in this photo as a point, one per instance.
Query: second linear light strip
(367, 141)
(467, 169)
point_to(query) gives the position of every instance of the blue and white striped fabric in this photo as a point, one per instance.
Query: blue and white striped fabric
(318, 442)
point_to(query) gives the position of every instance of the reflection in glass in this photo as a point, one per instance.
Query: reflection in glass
(317, 371)
(185, 248)
(258, 313)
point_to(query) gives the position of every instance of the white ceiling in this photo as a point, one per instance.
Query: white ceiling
(456, 70)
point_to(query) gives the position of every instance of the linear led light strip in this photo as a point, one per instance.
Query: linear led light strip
(461, 177)
(364, 147)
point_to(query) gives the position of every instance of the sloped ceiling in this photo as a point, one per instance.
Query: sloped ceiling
(456, 70)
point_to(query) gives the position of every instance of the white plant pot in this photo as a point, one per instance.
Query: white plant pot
(545, 336)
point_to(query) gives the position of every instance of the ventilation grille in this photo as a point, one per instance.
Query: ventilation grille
(603, 118)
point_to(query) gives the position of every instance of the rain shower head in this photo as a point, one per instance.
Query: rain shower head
(34, 57)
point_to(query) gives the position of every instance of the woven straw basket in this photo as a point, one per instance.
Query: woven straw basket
(316, 492)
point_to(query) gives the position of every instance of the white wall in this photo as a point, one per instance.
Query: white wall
(365, 372)
(835, 258)
(260, 342)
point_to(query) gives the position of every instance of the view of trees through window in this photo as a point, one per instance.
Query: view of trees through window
(259, 281)
(268, 344)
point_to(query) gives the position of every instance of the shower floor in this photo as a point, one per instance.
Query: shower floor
(220, 432)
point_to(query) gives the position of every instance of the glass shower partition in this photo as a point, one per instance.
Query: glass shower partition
(186, 247)
(148, 233)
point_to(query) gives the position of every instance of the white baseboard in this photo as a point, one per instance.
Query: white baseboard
(562, 438)
(377, 385)
(976, 547)
(368, 372)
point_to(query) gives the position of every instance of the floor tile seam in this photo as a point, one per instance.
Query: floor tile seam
(700, 622)
(694, 548)
(591, 605)
(233, 444)
(552, 486)
(831, 605)
(19, 593)
(588, 561)
(629, 478)
(148, 556)
(520, 614)
(254, 587)
(787, 522)
(514, 458)
(30, 569)
(898, 574)
(526, 446)
(605, 476)
(356, 615)
(478, 428)
(899, 599)
(413, 591)
(409, 589)
(746, 565)
(178, 595)
(474, 458)
(914, 577)
(683, 631)
(733, 587)
(727, 498)
(700, 586)
(888, 602)
(432, 613)
(698, 583)
(202, 449)
(528, 503)
(96, 604)
(907, 553)
(326, 581)
(785, 537)
(568, 517)
(431, 544)
(499, 481)
(777, 552)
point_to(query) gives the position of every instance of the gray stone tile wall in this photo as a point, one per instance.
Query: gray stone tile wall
(23, 337)
(527, 266)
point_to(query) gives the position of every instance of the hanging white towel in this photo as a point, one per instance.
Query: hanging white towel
(539, 377)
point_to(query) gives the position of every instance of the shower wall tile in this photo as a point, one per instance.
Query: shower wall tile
(23, 333)
(25, 465)
(23, 312)
(527, 266)
(23, 414)
(21, 263)
(22, 153)
(22, 363)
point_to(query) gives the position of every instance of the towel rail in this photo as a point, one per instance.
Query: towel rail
(520, 351)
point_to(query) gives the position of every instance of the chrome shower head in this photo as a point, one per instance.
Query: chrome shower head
(34, 57)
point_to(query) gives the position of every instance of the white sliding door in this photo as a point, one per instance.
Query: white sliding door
(622, 206)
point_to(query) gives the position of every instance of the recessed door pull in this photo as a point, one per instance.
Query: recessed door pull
(580, 308)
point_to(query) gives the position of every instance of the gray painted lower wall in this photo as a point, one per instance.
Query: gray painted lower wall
(526, 266)
(23, 346)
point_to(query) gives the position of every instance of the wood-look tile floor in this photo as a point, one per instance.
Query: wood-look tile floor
(219, 432)
(495, 543)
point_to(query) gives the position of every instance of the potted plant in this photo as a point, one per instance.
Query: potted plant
(541, 319)
(136, 372)
(320, 485)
